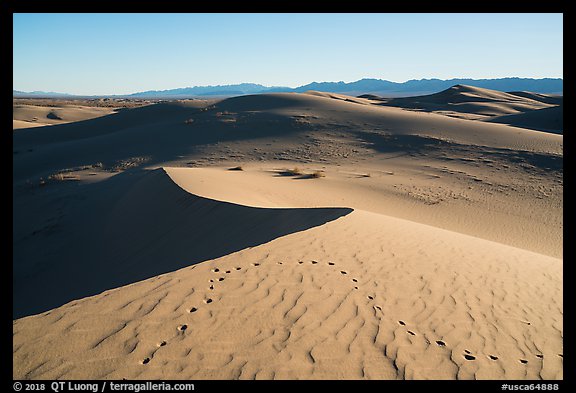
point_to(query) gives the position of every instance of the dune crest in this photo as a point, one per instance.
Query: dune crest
(363, 297)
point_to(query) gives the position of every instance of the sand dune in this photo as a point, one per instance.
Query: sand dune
(353, 241)
(475, 103)
(144, 231)
(26, 116)
(365, 296)
(545, 98)
(547, 119)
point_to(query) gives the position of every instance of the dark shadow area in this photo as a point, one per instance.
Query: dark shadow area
(422, 145)
(394, 143)
(157, 132)
(546, 120)
(134, 226)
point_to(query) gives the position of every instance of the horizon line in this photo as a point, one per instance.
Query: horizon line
(274, 86)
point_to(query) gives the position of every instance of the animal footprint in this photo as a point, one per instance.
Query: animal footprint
(215, 270)
(182, 327)
(402, 323)
(256, 264)
(493, 357)
(540, 356)
(162, 344)
(441, 343)
(354, 280)
(331, 263)
(193, 309)
(469, 357)
(221, 279)
(208, 301)
(370, 297)
(411, 333)
(314, 262)
(146, 361)
(343, 272)
(523, 361)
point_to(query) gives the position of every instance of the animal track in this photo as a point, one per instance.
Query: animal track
(221, 279)
(411, 333)
(227, 271)
(211, 287)
(469, 357)
(355, 287)
(441, 343)
(402, 323)
(370, 297)
(182, 327)
(354, 280)
(343, 272)
(215, 270)
(379, 308)
(300, 262)
(193, 309)
(331, 263)
(523, 361)
(540, 356)
(314, 262)
(146, 361)
(256, 264)
(162, 344)
(493, 357)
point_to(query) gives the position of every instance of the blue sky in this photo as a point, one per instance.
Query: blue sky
(126, 53)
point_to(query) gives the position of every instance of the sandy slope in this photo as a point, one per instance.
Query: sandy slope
(431, 248)
(366, 296)
(470, 99)
(26, 116)
(547, 119)
(469, 102)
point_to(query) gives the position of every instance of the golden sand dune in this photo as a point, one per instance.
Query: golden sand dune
(353, 240)
(476, 103)
(365, 296)
(154, 227)
(26, 116)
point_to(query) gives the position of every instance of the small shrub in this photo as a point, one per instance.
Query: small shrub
(317, 174)
(295, 171)
(56, 176)
(236, 168)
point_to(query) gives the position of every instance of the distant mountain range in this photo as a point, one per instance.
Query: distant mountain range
(17, 93)
(380, 87)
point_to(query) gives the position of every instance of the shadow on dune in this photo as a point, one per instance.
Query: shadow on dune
(144, 225)
(416, 145)
(547, 120)
(158, 133)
